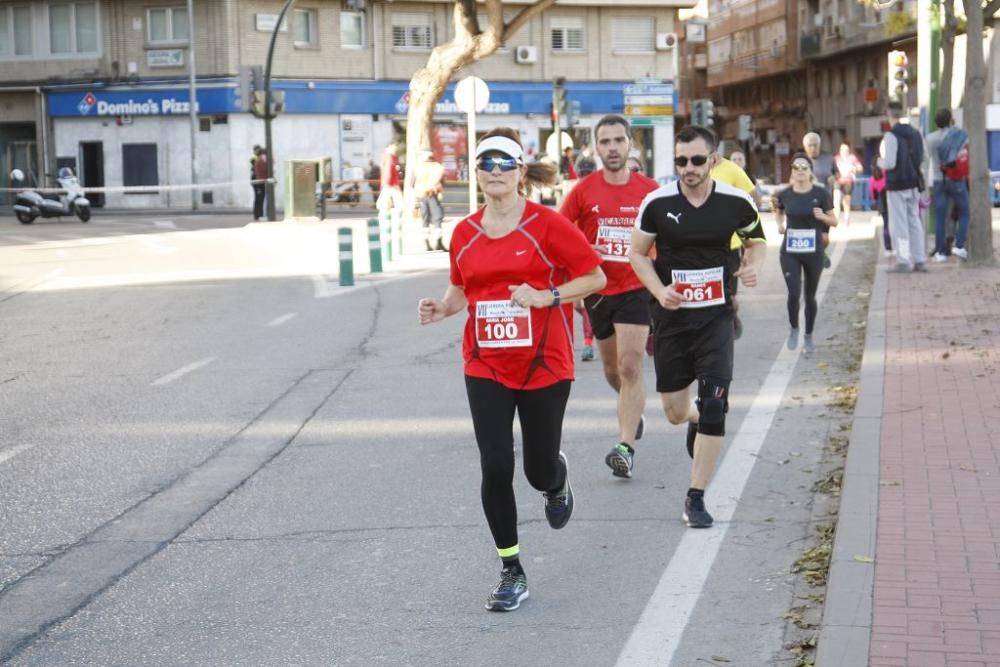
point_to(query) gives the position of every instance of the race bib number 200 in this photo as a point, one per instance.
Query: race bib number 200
(700, 288)
(800, 240)
(502, 324)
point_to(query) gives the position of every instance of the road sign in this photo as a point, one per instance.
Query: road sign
(472, 94)
(636, 110)
(649, 121)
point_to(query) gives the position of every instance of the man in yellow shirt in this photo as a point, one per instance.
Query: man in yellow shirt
(730, 173)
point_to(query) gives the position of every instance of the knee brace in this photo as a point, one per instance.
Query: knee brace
(713, 404)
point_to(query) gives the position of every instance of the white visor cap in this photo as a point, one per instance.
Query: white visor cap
(501, 145)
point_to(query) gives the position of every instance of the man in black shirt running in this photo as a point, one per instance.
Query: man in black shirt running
(691, 221)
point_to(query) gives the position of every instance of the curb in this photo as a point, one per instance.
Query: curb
(845, 631)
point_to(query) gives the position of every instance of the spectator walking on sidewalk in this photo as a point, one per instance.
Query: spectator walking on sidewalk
(259, 166)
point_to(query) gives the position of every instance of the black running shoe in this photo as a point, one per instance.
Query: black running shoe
(641, 428)
(692, 434)
(559, 505)
(507, 595)
(695, 515)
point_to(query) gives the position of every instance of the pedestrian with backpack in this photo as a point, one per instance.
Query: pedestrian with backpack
(948, 149)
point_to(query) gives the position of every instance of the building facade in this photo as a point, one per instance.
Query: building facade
(102, 85)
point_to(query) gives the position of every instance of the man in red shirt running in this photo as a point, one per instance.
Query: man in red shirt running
(604, 205)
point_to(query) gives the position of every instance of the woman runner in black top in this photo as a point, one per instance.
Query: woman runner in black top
(804, 213)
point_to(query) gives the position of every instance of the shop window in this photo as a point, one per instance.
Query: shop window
(306, 28)
(567, 33)
(205, 124)
(139, 166)
(167, 25)
(633, 35)
(352, 30)
(411, 30)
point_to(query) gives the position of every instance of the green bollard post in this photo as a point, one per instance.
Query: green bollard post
(397, 232)
(345, 239)
(374, 246)
(385, 226)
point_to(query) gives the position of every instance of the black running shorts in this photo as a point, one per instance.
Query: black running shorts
(625, 308)
(684, 353)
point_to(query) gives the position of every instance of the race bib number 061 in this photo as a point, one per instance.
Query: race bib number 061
(502, 324)
(615, 242)
(699, 288)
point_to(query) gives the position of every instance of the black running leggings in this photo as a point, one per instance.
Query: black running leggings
(793, 265)
(541, 414)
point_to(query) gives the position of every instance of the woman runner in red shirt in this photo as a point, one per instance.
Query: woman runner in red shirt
(516, 267)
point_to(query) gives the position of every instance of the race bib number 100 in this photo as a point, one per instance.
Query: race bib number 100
(701, 288)
(615, 242)
(502, 324)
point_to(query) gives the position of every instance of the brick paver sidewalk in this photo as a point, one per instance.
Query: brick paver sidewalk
(937, 562)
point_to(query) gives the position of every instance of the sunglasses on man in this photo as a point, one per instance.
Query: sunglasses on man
(696, 160)
(489, 163)
(801, 166)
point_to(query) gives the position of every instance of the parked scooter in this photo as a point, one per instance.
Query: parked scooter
(31, 204)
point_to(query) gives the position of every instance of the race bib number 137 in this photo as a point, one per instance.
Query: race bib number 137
(615, 242)
(700, 288)
(502, 324)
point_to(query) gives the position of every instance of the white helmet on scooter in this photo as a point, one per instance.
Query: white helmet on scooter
(17, 175)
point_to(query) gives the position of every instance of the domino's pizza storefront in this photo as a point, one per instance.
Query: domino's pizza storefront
(139, 135)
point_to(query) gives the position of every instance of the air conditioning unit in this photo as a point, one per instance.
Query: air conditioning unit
(526, 55)
(666, 41)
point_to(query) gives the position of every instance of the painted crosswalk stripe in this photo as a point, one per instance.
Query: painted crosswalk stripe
(8, 454)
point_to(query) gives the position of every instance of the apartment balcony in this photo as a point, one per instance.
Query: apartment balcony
(829, 38)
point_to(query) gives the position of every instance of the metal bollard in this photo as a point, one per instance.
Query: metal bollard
(345, 239)
(385, 226)
(374, 246)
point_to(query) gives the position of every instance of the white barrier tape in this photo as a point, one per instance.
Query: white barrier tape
(152, 189)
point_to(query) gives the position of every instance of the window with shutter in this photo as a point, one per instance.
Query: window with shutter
(633, 35)
(411, 30)
(567, 33)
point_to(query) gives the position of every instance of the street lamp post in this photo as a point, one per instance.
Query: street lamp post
(268, 114)
(192, 106)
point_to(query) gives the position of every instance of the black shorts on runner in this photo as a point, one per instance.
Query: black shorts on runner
(625, 308)
(685, 353)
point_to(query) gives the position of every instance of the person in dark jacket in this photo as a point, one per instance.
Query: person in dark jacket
(901, 155)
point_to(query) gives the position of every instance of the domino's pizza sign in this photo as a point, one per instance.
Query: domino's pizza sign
(86, 104)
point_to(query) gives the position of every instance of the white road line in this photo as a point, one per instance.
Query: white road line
(660, 627)
(281, 319)
(55, 273)
(181, 372)
(164, 224)
(158, 247)
(8, 454)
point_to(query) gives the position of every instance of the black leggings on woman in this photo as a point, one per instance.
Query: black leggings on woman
(541, 414)
(793, 265)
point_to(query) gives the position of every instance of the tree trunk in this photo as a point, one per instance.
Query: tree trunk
(429, 82)
(948, 52)
(980, 245)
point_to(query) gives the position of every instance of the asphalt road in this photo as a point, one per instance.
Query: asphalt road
(212, 454)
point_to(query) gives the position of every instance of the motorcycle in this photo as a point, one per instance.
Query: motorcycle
(31, 204)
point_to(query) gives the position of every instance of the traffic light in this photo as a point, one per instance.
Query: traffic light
(558, 100)
(702, 113)
(698, 112)
(898, 76)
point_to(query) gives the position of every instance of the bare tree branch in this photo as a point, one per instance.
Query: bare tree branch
(992, 8)
(466, 19)
(526, 14)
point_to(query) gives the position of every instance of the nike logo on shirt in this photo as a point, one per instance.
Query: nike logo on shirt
(520, 252)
